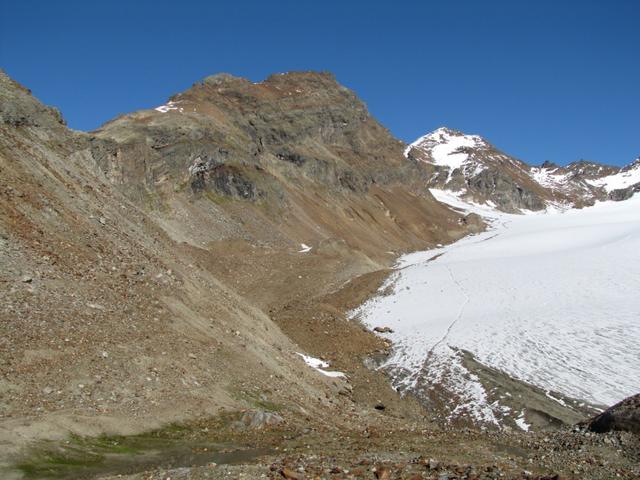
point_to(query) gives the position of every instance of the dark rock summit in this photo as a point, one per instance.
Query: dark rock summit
(298, 149)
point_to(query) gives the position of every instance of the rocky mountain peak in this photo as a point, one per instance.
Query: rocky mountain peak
(218, 79)
(221, 131)
(290, 85)
(589, 169)
(549, 165)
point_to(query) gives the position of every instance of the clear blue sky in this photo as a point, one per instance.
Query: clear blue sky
(556, 80)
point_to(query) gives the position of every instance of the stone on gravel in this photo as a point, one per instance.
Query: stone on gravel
(383, 330)
(257, 419)
(382, 473)
(290, 474)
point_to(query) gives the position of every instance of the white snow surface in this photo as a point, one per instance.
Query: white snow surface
(520, 421)
(320, 365)
(168, 107)
(304, 248)
(551, 298)
(549, 178)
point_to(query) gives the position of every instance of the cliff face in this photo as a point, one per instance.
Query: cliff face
(147, 265)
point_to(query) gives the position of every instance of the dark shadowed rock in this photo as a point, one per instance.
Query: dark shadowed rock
(624, 193)
(623, 416)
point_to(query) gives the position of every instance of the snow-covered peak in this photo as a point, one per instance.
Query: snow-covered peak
(456, 161)
(477, 171)
(446, 147)
(549, 177)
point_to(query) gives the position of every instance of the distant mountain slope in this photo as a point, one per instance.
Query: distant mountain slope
(478, 171)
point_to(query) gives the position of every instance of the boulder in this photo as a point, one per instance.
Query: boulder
(257, 419)
(623, 416)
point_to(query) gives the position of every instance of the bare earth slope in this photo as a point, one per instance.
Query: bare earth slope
(137, 281)
(107, 322)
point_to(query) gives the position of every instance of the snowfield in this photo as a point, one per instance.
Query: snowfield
(552, 299)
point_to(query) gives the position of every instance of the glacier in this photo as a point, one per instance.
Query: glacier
(551, 298)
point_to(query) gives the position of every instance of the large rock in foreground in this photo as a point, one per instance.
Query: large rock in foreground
(623, 416)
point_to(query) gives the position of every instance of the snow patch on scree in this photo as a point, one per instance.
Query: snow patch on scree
(520, 421)
(167, 107)
(304, 248)
(320, 365)
(549, 178)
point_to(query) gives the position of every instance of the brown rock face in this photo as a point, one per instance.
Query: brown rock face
(300, 125)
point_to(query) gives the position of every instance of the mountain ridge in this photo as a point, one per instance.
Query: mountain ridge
(472, 166)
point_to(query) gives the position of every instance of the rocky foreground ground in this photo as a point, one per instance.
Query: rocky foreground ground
(390, 448)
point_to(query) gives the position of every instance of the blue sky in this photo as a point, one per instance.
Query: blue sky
(542, 80)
